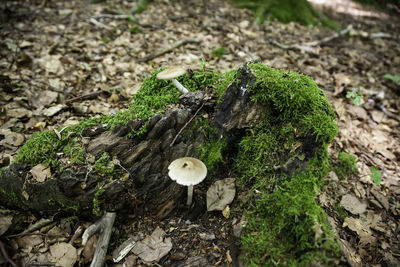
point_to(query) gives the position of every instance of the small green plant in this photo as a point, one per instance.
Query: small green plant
(394, 78)
(219, 52)
(104, 164)
(346, 165)
(105, 40)
(134, 30)
(376, 175)
(356, 97)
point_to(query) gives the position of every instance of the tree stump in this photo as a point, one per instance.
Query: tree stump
(141, 162)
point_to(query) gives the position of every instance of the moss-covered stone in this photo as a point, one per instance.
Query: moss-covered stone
(346, 165)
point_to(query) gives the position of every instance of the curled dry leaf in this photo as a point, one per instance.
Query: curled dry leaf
(41, 172)
(154, 247)
(220, 194)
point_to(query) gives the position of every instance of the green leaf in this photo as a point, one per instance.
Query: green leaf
(376, 175)
(357, 100)
(395, 78)
(350, 94)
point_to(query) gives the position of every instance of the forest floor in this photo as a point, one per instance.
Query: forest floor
(62, 61)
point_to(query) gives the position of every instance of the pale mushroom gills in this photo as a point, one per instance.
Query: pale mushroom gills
(172, 73)
(187, 171)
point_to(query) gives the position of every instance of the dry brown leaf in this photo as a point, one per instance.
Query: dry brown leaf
(353, 204)
(63, 254)
(41, 172)
(154, 247)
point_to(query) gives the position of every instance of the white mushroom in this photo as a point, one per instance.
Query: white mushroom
(170, 74)
(189, 172)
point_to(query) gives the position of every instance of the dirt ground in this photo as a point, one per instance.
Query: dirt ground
(62, 61)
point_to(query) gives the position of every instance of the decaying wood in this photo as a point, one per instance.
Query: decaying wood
(143, 160)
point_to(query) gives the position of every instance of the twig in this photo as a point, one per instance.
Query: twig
(99, 24)
(104, 227)
(169, 49)
(5, 255)
(38, 225)
(186, 124)
(308, 47)
(85, 96)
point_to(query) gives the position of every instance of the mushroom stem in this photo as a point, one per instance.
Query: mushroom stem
(180, 87)
(190, 195)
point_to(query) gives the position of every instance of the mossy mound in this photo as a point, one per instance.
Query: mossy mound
(284, 160)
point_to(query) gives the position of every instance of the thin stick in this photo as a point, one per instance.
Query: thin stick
(5, 255)
(186, 124)
(308, 47)
(104, 228)
(85, 96)
(169, 49)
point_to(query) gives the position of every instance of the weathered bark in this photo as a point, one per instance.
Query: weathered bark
(146, 158)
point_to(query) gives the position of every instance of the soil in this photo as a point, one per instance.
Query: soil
(62, 61)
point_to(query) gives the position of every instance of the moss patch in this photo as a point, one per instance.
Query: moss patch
(346, 165)
(286, 224)
(154, 95)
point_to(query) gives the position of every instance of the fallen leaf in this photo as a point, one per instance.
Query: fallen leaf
(226, 212)
(359, 226)
(12, 138)
(44, 98)
(5, 221)
(63, 254)
(154, 247)
(353, 205)
(220, 194)
(41, 172)
(19, 113)
(51, 111)
(90, 248)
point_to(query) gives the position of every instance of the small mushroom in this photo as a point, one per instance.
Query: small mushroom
(170, 74)
(189, 172)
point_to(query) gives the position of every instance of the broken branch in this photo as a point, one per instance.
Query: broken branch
(104, 227)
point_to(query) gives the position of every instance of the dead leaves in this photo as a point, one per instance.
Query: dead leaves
(154, 247)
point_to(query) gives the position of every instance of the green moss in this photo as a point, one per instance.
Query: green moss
(219, 52)
(40, 148)
(96, 203)
(152, 98)
(294, 98)
(284, 216)
(346, 165)
(223, 83)
(104, 165)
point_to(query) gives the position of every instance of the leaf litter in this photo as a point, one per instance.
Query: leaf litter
(59, 64)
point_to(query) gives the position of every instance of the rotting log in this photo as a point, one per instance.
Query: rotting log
(143, 160)
(268, 128)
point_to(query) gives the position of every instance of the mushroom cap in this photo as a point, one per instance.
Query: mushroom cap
(187, 171)
(171, 73)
